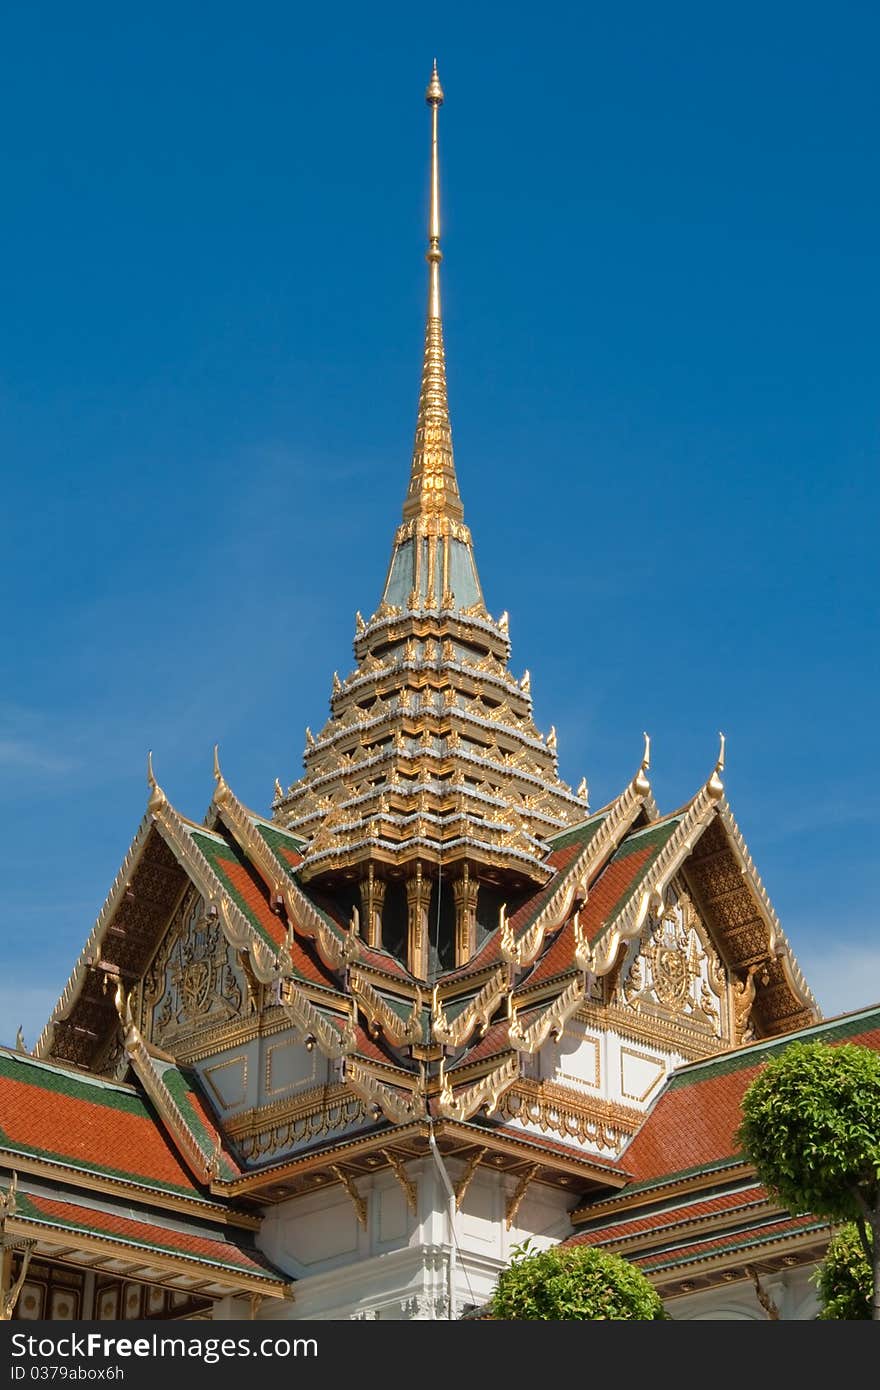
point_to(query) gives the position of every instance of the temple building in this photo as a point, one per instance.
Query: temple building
(337, 1060)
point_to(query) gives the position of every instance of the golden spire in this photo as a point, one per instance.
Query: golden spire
(433, 489)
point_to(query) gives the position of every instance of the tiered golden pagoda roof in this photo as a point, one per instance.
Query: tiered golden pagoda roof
(431, 752)
(429, 791)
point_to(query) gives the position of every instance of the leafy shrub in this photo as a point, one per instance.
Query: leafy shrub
(573, 1283)
(844, 1279)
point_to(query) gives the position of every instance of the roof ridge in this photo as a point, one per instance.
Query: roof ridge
(749, 1050)
(87, 1077)
(652, 825)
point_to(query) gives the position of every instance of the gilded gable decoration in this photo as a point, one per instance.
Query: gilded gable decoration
(195, 979)
(674, 972)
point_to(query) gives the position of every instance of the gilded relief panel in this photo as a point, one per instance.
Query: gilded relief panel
(673, 971)
(195, 980)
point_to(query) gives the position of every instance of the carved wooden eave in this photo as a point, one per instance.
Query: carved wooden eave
(129, 1259)
(476, 1014)
(281, 1179)
(119, 945)
(91, 951)
(565, 1162)
(484, 1093)
(379, 1014)
(777, 942)
(335, 949)
(576, 879)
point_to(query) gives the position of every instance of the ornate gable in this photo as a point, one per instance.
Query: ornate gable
(196, 979)
(673, 972)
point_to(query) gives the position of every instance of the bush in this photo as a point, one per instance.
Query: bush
(844, 1279)
(573, 1283)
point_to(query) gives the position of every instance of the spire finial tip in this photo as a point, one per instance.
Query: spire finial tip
(434, 94)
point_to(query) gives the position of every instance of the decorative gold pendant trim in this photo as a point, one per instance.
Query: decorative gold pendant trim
(358, 1202)
(467, 1176)
(399, 1170)
(515, 1200)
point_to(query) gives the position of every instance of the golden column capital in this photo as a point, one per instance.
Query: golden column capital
(465, 891)
(418, 900)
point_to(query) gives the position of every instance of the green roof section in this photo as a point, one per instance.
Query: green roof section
(279, 840)
(182, 1088)
(656, 834)
(74, 1137)
(277, 837)
(654, 839)
(581, 834)
(215, 852)
(93, 1222)
(753, 1054)
(63, 1081)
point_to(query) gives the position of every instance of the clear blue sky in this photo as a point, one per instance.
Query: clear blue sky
(661, 299)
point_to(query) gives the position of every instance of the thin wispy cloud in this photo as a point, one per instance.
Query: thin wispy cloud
(843, 976)
(23, 753)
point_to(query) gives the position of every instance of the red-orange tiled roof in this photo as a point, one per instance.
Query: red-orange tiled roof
(739, 1203)
(694, 1120)
(775, 1228)
(130, 1230)
(252, 889)
(495, 1041)
(54, 1113)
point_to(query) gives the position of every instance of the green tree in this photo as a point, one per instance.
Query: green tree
(573, 1283)
(844, 1279)
(811, 1127)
